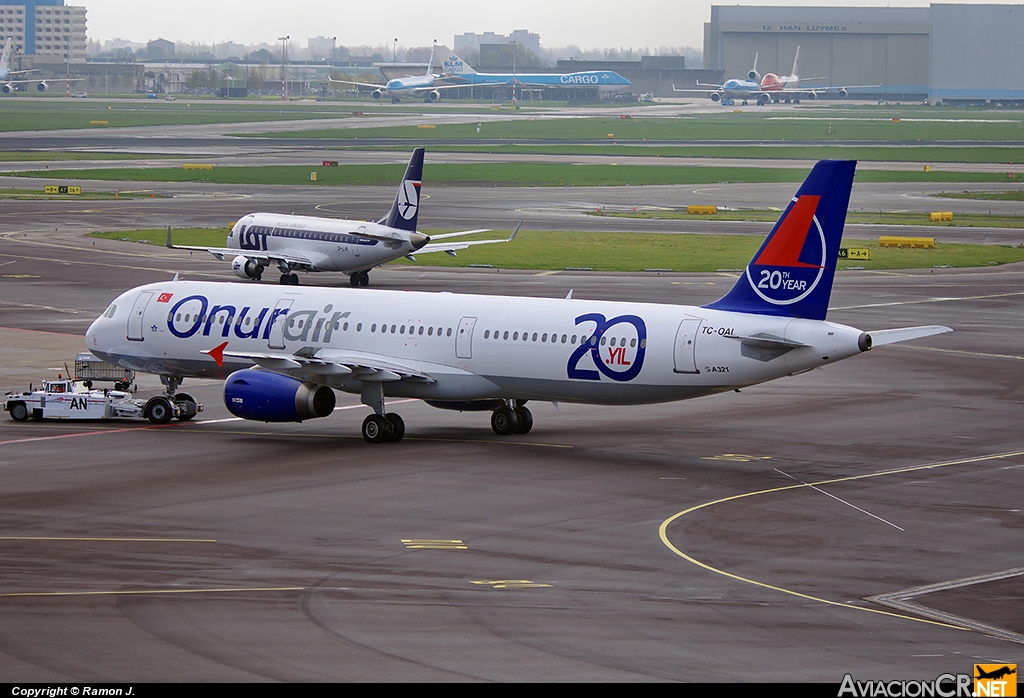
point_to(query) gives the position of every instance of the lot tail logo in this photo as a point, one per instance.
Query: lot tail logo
(408, 199)
(995, 680)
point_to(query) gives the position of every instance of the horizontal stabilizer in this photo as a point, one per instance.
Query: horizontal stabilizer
(763, 340)
(905, 334)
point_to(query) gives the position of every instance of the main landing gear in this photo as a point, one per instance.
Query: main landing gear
(289, 279)
(512, 418)
(380, 426)
(359, 278)
(161, 409)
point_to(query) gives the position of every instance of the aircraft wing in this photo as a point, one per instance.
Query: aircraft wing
(465, 84)
(451, 247)
(261, 257)
(693, 90)
(53, 80)
(361, 84)
(362, 366)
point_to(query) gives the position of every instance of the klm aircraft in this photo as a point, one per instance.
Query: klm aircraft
(284, 351)
(460, 74)
(425, 86)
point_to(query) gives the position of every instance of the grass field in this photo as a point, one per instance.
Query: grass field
(32, 194)
(923, 154)
(743, 128)
(509, 174)
(543, 250)
(74, 114)
(1017, 195)
(870, 218)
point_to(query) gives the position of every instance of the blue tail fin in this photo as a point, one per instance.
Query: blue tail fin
(405, 210)
(791, 275)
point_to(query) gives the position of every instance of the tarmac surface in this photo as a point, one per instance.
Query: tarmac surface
(779, 534)
(864, 518)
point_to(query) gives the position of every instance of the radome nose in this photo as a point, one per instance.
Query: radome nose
(418, 240)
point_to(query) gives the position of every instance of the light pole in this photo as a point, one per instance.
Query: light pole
(514, 44)
(394, 52)
(284, 60)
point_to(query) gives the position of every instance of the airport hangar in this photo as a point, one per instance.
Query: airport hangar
(945, 53)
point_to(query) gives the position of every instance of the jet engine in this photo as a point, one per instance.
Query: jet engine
(812, 95)
(377, 94)
(271, 397)
(42, 86)
(8, 88)
(245, 268)
(754, 75)
(843, 93)
(433, 96)
(716, 96)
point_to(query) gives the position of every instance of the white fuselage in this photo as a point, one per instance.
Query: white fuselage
(329, 244)
(407, 87)
(464, 347)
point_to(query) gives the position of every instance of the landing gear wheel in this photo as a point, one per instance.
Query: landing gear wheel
(525, 420)
(364, 278)
(185, 411)
(258, 275)
(285, 279)
(397, 425)
(504, 421)
(19, 413)
(376, 429)
(293, 279)
(353, 278)
(159, 410)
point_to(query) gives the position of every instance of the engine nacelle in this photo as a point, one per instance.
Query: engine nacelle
(377, 94)
(754, 75)
(7, 88)
(716, 97)
(812, 95)
(843, 93)
(433, 96)
(271, 397)
(245, 268)
(42, 86)
(763, 99)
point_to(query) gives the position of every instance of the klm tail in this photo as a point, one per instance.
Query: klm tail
(453, 65)
(5, 58)
(405, 210)
(791, 275)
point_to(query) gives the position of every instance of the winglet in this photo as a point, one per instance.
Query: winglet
(170, 245)
(217, 353)
(515, 232)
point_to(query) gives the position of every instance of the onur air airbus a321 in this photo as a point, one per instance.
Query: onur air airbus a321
(284, 351)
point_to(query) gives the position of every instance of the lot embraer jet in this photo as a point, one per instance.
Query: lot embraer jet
(260, 240)
(476, 352)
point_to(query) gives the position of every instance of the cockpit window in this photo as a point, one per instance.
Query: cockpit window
(109, 312)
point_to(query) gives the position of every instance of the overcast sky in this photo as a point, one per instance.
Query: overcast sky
(585, 23)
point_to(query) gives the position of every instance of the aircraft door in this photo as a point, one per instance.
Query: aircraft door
(137, 316)
(279, 320)
(686, 344)
(464, 338)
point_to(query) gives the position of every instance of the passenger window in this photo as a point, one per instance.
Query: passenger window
(449, 331)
